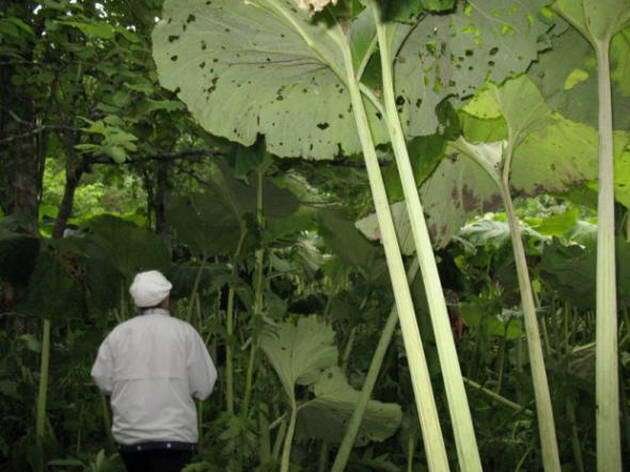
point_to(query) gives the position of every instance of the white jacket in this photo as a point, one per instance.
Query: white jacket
(152, 366)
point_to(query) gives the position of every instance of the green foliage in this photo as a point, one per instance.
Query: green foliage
(302, 107)
(300, 353)
(570, 270)
(326, 416)
(130, 249)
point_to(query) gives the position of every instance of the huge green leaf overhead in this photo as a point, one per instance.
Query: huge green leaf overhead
(245, 68)
(265, 67)
(453, 54)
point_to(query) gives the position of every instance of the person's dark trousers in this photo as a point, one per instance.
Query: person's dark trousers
(156, 458)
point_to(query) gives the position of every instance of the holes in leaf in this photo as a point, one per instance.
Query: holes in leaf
(204, 45)
(469, 52)
(174, 58)
(494, 50)
(400, 100)
(202, 65)
(173, 37)
(191, 18)
(379, 115)
(323, 126)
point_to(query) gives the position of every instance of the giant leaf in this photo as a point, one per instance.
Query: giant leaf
(130, 248)
(567, 77)
(453, 54)
(273, 70)
(570, 271)
(346, 242)
(210, 222)
(300, 353)
(597, 20)
(457, 188)
(326, 416)
(267, 67)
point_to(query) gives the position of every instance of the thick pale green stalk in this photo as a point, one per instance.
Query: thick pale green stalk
(606, 360)
(43, 384)
(461, 419)
(423, 391)
(350, 435)
(544, 410)
(258, 295)
(288, 439)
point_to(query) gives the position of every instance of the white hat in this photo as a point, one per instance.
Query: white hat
(149, 288)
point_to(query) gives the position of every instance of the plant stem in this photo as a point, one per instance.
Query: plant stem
(323, 457)
(258, 294)
(420, 379)
(411, 448)
(350, 435)
(544, 410)
(606, 363)
(107, 422)
(43, 384)
(575, 440)
(279, 437)
(499, 398)
(348, 349)
(229, 327)
(288, 440)
(264, 452)
(461, 419)
(195, 290)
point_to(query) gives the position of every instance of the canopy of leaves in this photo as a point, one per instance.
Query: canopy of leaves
(210, 53)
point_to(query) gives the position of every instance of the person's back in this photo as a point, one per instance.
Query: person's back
(152, 366)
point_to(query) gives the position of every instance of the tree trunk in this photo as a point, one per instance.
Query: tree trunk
(159, 200)
(21, 160)
(75, 167)
(73, 178)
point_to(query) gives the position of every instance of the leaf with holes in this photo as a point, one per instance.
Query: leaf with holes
(267, 66)
(454, 54)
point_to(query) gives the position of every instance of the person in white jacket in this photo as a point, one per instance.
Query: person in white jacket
(153, 366)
